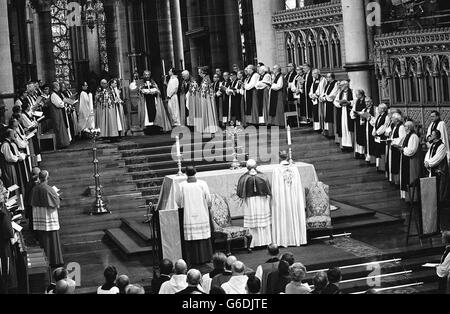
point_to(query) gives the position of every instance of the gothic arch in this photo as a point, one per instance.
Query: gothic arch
(335, 47)
(428, 80)
(397, 83)
(290, 47)
(444, 69)
(324, 52)
(311, 43)
(301, 47)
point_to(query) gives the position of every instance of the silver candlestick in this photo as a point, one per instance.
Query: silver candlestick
(179, 162)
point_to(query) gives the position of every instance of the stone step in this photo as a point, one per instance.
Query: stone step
(142, 230)
(129, 244)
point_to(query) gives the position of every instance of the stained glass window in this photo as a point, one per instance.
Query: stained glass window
(61, 42)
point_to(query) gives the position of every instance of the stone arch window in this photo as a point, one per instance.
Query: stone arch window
(445, 82)
(412, 81)
(324, 52)
(397, 82)
(336, 54)
(301, 49)
(290, 48)
(429, 85)
(312, 50)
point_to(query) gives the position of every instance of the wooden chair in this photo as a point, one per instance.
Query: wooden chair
(295, 114)
(222, 225)
(48, 136)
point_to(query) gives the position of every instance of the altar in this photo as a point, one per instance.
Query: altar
(220, 182)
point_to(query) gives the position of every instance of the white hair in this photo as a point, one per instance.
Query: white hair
(185, 73)
(397, 116)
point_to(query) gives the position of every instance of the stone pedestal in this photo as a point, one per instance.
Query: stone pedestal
(356, 51)
(266, 47)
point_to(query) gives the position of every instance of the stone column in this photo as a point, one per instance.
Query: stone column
(193, 17)
(165, 33)
(217, 35)
(233, 32)
(355, 38)
(177, 34)
(45, 60)
(6, 74)
(266, 47)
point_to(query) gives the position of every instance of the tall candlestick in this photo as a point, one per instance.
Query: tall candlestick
(289, 138)
(177, 139)
(164, 67)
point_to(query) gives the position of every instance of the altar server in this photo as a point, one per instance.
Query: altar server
(194, 198)
(255, 191)
(437, 164)
(288, 205)
(438, 124)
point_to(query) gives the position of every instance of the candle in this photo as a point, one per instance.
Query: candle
(289, 139)
(120, 70)
(177, 138)
(164, 67)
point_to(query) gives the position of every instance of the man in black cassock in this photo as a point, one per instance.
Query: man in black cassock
(255, 191)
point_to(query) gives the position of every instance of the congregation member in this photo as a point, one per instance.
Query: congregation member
(277, 98)
(165, 272)
(109, 287)
(345, 126)
(172, 97)
(178, 282)
(410, 161)
(86, 116)
(253, 284)
(438, 124)
(290, 78)
(280, 278)
(184, 96)
(320, 282)
(263, 88)
(443, 269)
(118, 104)
(263, 271)
(46, 203)
(306, 109)
(194, 198)
(238, 281)
(122, 283)
(224, 277)
(380, 124)
(296, 286)
(288, 205)
(327, 98)
(252, 113)
(154, 112)
(193, 279)
(395, 135)
(334, 276)
(218, 260)
(60, 274)
(317, 89)
(209, 122)
(255, 191)
(436, 163)
(13, 162)
(60, 121)
(134, 289)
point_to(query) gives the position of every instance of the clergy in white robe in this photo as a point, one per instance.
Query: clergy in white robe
(317, 90)
(345, 127)
(194, 198)
(438, 124)
(172, 96)
(437, 164)
(288, 205)
(86, 116)
(411, 164)
(255, 191)
(380, 124)
(327, 98)
(395, 134)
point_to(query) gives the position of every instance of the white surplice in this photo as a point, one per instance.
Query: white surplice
(288, 207)
(257, 219)
(174, 108)
(194, 197)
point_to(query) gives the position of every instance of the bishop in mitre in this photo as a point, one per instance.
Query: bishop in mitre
(288, 205)
(255, 191)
